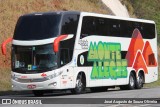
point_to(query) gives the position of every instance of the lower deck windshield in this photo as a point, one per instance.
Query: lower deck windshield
(33, 58)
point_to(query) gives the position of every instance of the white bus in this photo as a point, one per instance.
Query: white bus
(74, 50)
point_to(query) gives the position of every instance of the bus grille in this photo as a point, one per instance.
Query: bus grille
(31, 80)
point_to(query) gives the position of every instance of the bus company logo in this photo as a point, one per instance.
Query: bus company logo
(107, 61)
(83, 43)
(140, 51)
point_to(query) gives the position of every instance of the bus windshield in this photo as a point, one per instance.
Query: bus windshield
(33, 58)
(37, 27)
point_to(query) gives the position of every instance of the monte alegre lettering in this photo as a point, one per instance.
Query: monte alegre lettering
(107, 61)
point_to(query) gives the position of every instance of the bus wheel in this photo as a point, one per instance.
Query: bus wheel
(132, 81)
(80, 85)
(38, 93)
(139, 81)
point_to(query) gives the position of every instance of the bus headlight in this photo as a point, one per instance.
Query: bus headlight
(54, 75)
(14, 78)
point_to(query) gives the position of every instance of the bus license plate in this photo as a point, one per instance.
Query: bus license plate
(32, 86)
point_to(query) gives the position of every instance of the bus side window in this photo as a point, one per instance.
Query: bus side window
(114, 27)
(64, 57)
(130, 28)
(69, 24)
(148, 31)
(88, 26)
(102, 26)
(94, 26)
(124, 29)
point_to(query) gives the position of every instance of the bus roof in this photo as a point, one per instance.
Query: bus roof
(116, 17)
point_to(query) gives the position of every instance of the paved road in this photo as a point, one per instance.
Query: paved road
(113, 93)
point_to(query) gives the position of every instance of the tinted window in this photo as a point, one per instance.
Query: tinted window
(101, 26)
(126, 28)
(35, 27)
(94, 26)
(88, 26)
(64, 57)
(69, 24)
(115, 27)
(129, 28)
(148, 30)
(123, 54)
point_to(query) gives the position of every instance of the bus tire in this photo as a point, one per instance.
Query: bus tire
(132, 81)
(140, 81)
(131, 84)
(38, 93)
(80, 85)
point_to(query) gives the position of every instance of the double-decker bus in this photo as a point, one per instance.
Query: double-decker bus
(74, 50)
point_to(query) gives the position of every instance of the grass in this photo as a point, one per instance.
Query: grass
(5, 80)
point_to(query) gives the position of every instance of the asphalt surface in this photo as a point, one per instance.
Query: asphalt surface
(111, 93)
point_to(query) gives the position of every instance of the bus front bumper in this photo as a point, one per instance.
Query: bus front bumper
(45, 85)
(39, 81)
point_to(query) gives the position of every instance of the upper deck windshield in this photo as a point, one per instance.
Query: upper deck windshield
(33, 59)
(37, 27)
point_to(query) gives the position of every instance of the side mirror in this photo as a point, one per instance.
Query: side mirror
(58, 39)
(3, 46)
